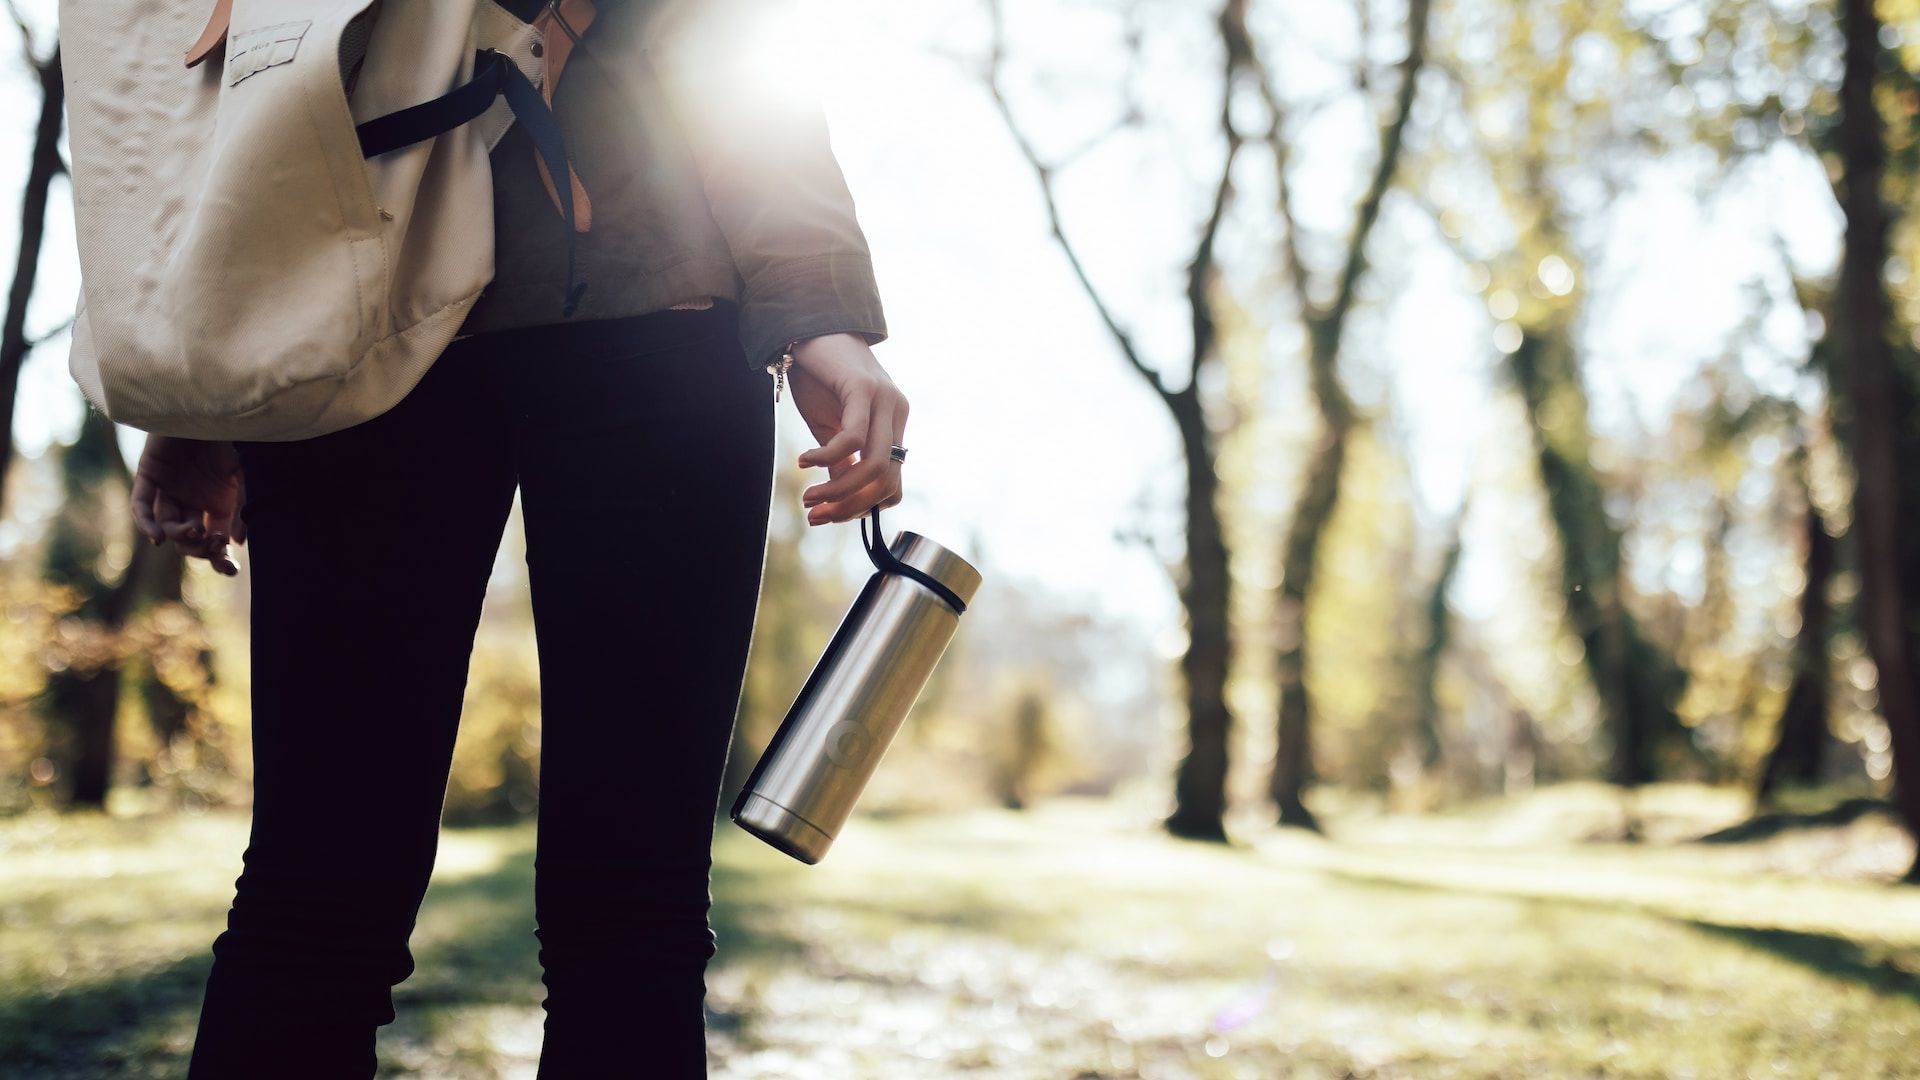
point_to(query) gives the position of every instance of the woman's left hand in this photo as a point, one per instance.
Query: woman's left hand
(190, 492)
(858, 416)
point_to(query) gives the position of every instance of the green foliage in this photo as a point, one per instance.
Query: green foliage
(81, 598)
(1022, 706)
(1360, 618)
(33, 610)
(496, 773)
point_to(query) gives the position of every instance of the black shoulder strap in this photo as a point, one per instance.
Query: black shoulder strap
(493, 75)
(418, 123)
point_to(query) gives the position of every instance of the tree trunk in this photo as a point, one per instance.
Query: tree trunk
(86, 702)
(1520, 761)
(1801, 743)
(1293, 756)
(159, 574)
(41, 169)
(1426, 716)
(1883, 512)
(1637, 683)
(83, 696)
(1200, 783)
(1326, 328)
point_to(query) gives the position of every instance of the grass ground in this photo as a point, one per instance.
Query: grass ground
(1075, 942)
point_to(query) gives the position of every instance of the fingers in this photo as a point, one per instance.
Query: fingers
(177, 523)
(142, 498)
(190, 492)
(888, 489)
(219, 530)
(216, 554)
(899, 439)
(189, 530)
(213, 548)
(846, 496)
(850, 437)
(873, 425)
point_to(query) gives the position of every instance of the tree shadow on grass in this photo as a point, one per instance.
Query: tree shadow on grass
(475, 946)
(1772, 823)
(1886, 970)
(1893, 972)
(115, 1026)
(94, 1030)
(747, 918)
(476, 939)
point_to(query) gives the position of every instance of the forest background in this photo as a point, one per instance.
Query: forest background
(1359, 411)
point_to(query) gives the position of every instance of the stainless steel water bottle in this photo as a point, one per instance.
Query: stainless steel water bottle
(819, 761)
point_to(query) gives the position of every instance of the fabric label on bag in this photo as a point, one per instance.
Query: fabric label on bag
(253, 51)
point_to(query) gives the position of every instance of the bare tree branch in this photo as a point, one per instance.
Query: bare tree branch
(55, 331)
(1043, 175)
(1362, 72)
(1094, 142)
(26, 35)
(1392, 141)
(1455, 244)
(1233, 29)
(1804, 292)
(1201, 268)
(1206, 585)
(42, 167)
(1283, 202)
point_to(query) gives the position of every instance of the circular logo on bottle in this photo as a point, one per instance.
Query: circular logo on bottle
(847, 744)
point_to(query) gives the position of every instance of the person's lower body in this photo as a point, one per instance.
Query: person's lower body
(643, 451)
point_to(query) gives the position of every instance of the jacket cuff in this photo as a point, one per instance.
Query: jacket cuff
(819, 294)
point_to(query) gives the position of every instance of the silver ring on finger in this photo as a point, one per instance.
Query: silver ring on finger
(898, 453)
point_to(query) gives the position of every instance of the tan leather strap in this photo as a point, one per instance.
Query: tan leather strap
(214, 36)
(558, 44)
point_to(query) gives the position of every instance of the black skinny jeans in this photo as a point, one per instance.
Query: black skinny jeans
(643, 451)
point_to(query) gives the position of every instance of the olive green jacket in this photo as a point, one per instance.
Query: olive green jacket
(707, 179)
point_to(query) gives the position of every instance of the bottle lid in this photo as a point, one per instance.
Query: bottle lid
(939, 562)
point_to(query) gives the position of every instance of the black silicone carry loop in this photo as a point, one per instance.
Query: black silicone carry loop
(886, 562)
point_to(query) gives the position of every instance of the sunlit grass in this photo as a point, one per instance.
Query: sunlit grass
(1072, 941)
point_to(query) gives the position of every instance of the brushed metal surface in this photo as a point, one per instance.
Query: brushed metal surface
(859, 693)
(783, 829)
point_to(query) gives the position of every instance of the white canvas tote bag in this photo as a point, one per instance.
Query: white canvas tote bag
(284, 218)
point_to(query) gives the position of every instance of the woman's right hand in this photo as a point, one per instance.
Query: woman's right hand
(190, 492)
(858, 415)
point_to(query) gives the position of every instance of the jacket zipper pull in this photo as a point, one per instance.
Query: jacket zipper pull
(778, 369)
